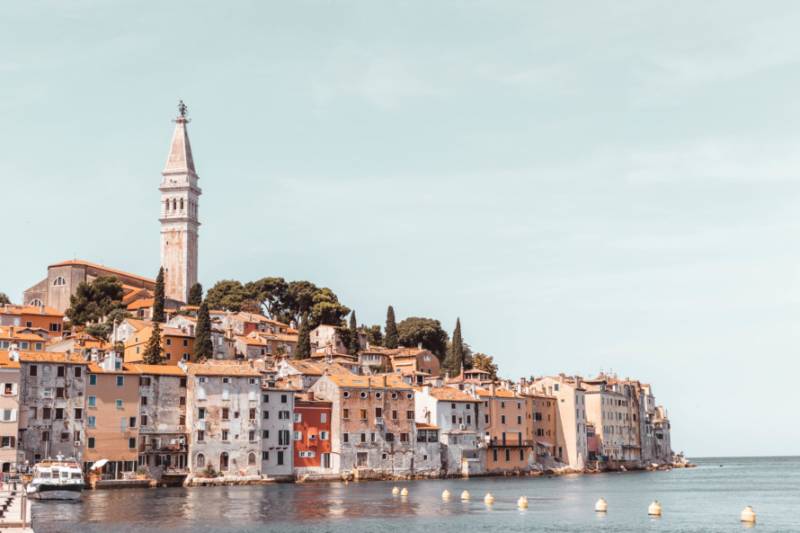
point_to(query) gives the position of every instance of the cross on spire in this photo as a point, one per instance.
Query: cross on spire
(182, 109)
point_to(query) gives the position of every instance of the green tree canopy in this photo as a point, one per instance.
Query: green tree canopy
(426, 331)
(270, 293)
(353, 345)
(230, 295)
(95, 301)
(391, 338)
(158, 297)
(195, 294)
(4, 299)
(486, 363)
(303, 350)
(374, 334)
(152, 352)
(203, 349)
(456, 355)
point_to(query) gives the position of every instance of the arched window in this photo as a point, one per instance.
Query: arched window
(223, 461)
(166, 204)
(200, 461)
(59, 281)
(251, 459)
(36, 302)
(181, 204)
(174, 204)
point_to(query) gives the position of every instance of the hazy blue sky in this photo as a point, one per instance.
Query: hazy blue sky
(587, 185)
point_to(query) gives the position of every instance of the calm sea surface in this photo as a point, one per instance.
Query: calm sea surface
(704, 499)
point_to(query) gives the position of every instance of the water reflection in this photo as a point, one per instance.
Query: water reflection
(704, 499)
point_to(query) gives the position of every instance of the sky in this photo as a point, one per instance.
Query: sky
(588, 185)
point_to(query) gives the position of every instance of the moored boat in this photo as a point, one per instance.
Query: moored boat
(57, 479)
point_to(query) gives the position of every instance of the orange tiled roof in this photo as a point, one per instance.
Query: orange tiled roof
(29, 310)
(142, 303)
(6, 362)
(451, 394)
(13, 333)
(157, 370)
(81, 262)
(423, 425)
(51, 357)
(353, 381)
(222, 369)
(498, 393)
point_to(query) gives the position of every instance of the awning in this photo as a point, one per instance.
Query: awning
(99, 464)
(545, 444)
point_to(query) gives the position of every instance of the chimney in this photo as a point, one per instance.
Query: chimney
(419, 345)
(310, 395)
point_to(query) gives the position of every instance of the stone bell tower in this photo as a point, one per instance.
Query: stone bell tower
(179, 213)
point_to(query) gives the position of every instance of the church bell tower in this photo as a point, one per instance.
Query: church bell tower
(179, 213)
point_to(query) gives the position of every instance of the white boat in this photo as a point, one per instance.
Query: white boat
(58, 479)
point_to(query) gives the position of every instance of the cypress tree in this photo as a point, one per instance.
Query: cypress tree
(152, 353)
(158, 297)
(390, 340)
(303, 350)
(456, 358)
(354, 344)
(203, 349)
(195, 294)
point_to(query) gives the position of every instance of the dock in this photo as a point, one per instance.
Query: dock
(15, 511)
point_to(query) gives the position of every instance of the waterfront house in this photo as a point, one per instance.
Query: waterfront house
(570, 441)
(112, 420)
(312, 435)
(506, 424)
(163, 438)
(223, 402)
(52, 400)
(10, 456)
(277, 425)
(373, 423)
(455, 414)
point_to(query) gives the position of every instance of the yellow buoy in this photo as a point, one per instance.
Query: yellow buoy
(601, 506)
(395, 491)
(465, 495)
(488, 499)
(654, 509)
(445, 494)
(404, 492)
(522, 503)
(748, 515)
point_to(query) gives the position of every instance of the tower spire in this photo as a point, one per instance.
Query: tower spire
(180, 160)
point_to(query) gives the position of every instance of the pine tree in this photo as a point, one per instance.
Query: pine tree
(158, 297)
(355, 345)
(390, 340)
(152, 353)
(303, 350)
(203, 349)
(195, 294)
(455, 360)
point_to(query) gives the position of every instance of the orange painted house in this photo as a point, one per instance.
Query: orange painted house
(176, 345)
(312, 434)
(33, 316)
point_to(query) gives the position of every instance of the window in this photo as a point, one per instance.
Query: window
(59, 281)
(169, 342)
(284, 415)
(394, 415)
(143, 400)
(363, 437)
(120, 381)
(92, 401)
(378, 412)
(298, 417)
(132, 443)
(265, 398)
(92, 422)
(346, 414)
(323, 435)
(284, 398)
(46, 413)
(363, 414)
(410, 415)
(225, 413)
(60, 392)
(394, 396)
(363, 394)
(201, 436)
(78, 371)
(298, 435)
(266, 415)
(132, 422)
(118, 404)
(403, 437)
(508, 455)
(265, 456)
(265, 434)
(226, 380)
(224, 435)
(253, 414)
(251, 435)
(283, 437)
(280, 458)
(345, 437)
(519, 420)
(78, 413)
(200, 460)
(144, 419)
(390, 437)
(345, 394)
(33, 370)
(251, 459)
(91, 442)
